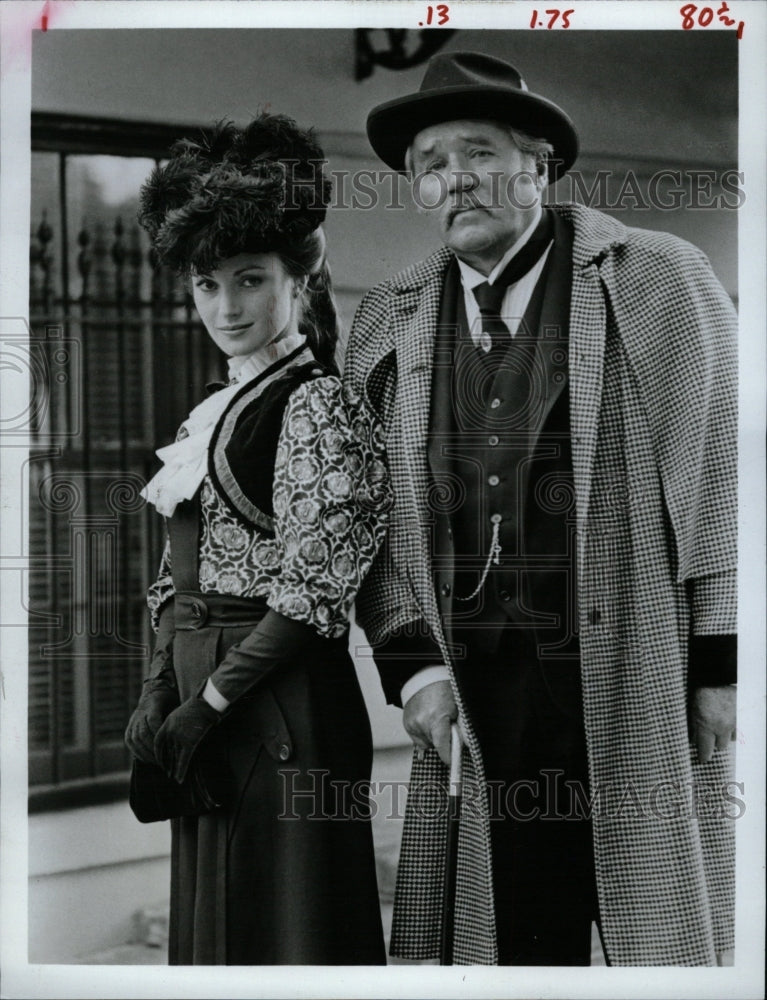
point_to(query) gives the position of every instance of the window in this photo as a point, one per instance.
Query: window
(117, 358)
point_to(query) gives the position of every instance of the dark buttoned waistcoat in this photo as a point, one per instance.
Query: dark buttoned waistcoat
(500, 452)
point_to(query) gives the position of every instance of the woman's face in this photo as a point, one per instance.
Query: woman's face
(247, 302)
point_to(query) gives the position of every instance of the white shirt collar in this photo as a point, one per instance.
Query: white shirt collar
(243, 369)
(471, 277)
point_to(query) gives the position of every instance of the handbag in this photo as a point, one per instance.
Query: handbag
(154, 797)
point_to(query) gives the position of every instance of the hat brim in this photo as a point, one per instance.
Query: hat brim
(392, 126)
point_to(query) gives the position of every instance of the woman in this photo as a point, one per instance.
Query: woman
(276, 502)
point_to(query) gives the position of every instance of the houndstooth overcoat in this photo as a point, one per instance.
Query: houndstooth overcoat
(652, 378)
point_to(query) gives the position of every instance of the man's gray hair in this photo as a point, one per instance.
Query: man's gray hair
(540, 149)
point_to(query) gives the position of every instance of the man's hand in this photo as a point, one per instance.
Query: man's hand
(712, 719)
(427, 718)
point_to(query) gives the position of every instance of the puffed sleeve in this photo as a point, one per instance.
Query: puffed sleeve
(161, 591)
(331, 499)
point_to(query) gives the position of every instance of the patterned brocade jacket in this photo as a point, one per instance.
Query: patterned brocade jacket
(295, 502)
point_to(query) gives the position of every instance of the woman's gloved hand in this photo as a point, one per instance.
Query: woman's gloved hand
(181, 734)
(157, 701)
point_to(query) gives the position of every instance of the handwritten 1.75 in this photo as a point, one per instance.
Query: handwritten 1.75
(553, 16)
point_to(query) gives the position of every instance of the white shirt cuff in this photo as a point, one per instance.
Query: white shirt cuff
(214, 698)
(427, 675)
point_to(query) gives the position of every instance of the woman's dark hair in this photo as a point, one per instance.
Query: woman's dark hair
(259, 189)
(319, 317)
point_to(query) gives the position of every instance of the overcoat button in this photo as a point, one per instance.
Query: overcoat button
(495, 403)
(196, 613)
(493, 440)
(505, 595)
(284, 751)
(445, 590)
(493, 480)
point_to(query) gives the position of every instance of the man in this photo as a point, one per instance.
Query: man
(558, 397)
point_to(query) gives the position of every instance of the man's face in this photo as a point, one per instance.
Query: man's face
(477, 184)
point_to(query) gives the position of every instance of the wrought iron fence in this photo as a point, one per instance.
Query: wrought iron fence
(118, 358)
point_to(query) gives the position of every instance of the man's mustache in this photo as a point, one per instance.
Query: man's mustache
(462, 201)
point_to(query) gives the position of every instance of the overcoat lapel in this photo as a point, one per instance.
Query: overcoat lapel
(415, 318)
(588, 325)
(554, 312)
(441, 420)
(587, 339)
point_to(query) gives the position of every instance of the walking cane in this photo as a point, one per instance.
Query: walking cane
(451, 858)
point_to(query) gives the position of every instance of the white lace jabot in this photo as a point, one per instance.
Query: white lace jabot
(185, 462)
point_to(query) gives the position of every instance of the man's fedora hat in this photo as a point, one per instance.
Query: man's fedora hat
(471, 85)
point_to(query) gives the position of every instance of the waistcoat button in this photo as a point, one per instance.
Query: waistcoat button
(284, 751)
(493, 480)
(495, 403)
(493, 440)
(445, 590)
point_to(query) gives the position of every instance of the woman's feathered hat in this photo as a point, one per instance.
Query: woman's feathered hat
(235, 190)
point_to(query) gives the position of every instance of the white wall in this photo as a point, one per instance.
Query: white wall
(89, 871)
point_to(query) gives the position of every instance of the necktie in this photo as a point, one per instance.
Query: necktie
(489, 298)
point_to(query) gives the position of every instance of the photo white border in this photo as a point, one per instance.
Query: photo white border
(745, 980)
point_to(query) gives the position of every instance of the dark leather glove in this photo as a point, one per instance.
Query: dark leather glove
(276, 639)
(181, 734)
(157, 701)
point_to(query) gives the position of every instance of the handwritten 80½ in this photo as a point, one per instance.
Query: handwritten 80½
(706, 16)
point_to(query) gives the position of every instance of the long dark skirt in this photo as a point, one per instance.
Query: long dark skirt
(287, 874)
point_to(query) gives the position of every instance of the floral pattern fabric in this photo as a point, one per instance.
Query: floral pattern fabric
(331, 498)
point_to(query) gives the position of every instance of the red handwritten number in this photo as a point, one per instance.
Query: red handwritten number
(706, 16)
(687, 11)
(443, 13)
(553, 15)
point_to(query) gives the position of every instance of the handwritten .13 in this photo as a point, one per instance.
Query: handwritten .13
(443, 15)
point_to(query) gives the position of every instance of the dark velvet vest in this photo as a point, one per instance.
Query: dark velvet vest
(500, 453)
